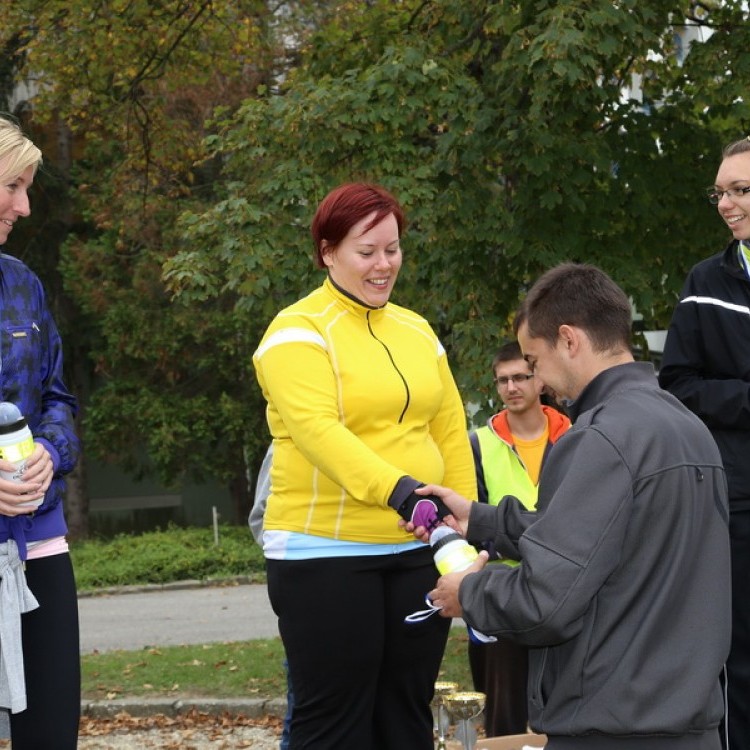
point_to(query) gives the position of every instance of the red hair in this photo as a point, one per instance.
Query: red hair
(346, 206)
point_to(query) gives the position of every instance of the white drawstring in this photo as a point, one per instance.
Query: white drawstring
(422, 614)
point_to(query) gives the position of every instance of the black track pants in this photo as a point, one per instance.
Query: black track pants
(361, 677)
(51, 652)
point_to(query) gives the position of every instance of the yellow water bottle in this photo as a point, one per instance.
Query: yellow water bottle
(16, 445)
(451, 551)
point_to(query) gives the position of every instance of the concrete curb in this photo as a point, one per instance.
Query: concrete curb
(174, 586)
(254, 708)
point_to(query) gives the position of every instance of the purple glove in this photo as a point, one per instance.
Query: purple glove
(427, 511)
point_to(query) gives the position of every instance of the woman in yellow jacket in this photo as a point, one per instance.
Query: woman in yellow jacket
(363, 409)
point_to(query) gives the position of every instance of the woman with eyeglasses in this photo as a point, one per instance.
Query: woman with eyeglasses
(706, 364)
(363, 409)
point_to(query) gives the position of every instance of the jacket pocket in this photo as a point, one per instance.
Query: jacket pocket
(20, 352)
(537, 665)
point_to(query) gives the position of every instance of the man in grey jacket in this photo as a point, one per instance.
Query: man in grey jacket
(623, 591)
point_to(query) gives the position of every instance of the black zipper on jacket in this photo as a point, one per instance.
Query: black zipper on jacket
(395, 367)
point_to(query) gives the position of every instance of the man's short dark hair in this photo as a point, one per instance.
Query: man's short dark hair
(580, 295)
(506, 353)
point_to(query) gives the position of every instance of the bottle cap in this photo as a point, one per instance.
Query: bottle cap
(10, 418)
(442, 536)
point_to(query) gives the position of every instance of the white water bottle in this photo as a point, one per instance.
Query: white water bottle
(16, 445)
(451, 551)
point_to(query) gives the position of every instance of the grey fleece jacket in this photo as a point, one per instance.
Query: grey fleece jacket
(623, 592)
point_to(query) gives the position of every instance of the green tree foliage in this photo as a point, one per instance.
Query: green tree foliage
(510, 129)
(135, 82)
(512, 135)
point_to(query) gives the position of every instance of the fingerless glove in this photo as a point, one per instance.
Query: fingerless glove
(421, 510)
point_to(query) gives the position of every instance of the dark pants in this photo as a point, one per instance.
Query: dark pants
(51, 654)
(500, 670)
(361, 677)
(286, 729)
(738, 664)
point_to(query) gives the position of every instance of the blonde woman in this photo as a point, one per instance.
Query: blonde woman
(39, 645)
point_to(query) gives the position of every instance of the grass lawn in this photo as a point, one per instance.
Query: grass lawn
(245, 669)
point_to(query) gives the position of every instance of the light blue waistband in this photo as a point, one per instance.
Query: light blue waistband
(290, 545)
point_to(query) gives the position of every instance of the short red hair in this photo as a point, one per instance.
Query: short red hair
(346, 206)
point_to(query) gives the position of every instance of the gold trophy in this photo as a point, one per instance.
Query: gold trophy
(464, 708)
(441, 719)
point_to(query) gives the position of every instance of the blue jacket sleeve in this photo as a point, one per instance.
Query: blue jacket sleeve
(56, 424)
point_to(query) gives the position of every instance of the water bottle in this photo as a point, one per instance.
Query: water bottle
(16, 445)
(451, 551)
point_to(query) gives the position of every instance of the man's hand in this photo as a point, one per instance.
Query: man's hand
(445, 594)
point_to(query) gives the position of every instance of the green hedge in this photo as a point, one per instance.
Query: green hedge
(174, 554)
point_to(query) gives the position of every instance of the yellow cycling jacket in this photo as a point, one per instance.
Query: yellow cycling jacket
(357, 398)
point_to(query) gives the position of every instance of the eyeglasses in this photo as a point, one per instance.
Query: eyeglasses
(517, 379)
(714, 195)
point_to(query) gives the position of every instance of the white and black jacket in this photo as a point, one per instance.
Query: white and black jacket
(706, 362)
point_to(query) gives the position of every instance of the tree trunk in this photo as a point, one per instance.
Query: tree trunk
(77, 497)
(239, 491)
(77, 502)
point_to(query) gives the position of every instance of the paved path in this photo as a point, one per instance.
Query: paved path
(175, 615)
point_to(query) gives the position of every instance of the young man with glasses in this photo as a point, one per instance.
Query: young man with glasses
(509, 452)
(706, 364)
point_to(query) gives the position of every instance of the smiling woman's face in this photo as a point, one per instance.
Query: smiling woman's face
(14, 200)
(734, 172)
(366, 263)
